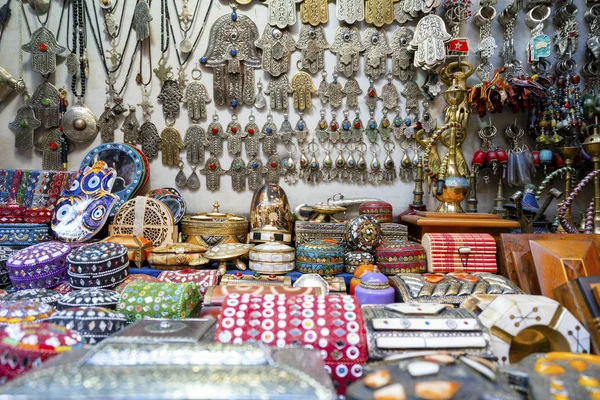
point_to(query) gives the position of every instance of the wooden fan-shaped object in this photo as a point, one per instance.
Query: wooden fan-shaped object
(146, 217)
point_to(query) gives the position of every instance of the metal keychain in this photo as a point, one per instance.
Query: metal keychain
(251, 137)
(279, 90)
(347, 47)
(131, 127)
(213, 171)
(215, 136)
(195, 142)
(238, 173)
(312, 44)
(376, 50)
(352, 90)
(234, 136)
(170, 146)
(402, 57)
(277, 47)
(196, 97)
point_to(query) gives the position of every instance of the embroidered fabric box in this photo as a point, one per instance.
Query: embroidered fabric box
(41, 266)
(332, 324)
(399, 256)
(89, 297)
(94, 324)
(160, 300)
(5, 253)
(23, 234)
(47, 296)
(27, 346)
(203, 278)
(16, 312)
(307, 231)
(460, 252)
(393, 231)
(215, 295)
(380, 210)
(401, 327)
(101, 265)
(323, 257)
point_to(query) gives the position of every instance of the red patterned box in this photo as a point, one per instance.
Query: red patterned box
(331, 324)
(460, 252)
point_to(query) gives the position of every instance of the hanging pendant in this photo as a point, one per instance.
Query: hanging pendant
(163, 72)
(180, 178)
(376, 173)
(196, 97)
(216, 136)
(43, 48)
(49, 145)
(107, 123)
(277, 47)
(389, 172)
(40, 6)
(327, 172)
(279, 90)
(185, 46)
(291, 172)
(312, 45)
(412, 93)
(322, 131)
(149, 139)
(340, 164)
(213, 171)
(429, 42)
(402, 57)
(349, 172)
(372, 131)
(334, 129)
(72, 64)
(45, 103)
(282, 13)
(357, 128)
(286, 132)
(237, 171)
(170, 95)
(405, 166)
(389, 95)
(323, 91)
(352, 90)
(131, 127)
(301, 130)
(170, 146)
(79, 123)
(360, 174)
(347, 47)
(347, 134)
(398, 126)
(259, 101)
(371, 97)
(377, 50)
(233, 57)
(350, 11)
(234, 136)
(273, 170)
(302, 91)
(195, 142)
(385, 127)
(379, 12)
(141, 20)
(23, 126)
(255, 171)
(270, 137)
(314, 12)
(193, 182)
(335, 92)
(110, 22)
(251, 137)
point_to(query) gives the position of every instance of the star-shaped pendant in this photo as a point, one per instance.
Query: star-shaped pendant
(146, 105)
(163, 72)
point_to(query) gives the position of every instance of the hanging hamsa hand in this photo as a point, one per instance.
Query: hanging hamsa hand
(252, 137)
(277, 47)
(347, 47)
(170, 95)
(49, 145)
(171, 145)
(233, 56)
(429, 42)
(195, 142)
(131, 127)
(350, 11)
(302, 90)
(45, 104)
(107, 124)
(282, 13)
(254, 170)
(314, 12)
(149, 139)
(352, 90)
(43, 48)
(379, 12)
(312, 45)
(196, 98)
(216, 136)
(234, 136)
(213, 171)
(402, 57)
(23, 126)
(238, 173)
(141, 20)
(270, 137)
(377, 50)
(279, 90)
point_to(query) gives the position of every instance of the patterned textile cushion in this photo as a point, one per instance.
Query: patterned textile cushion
(43, 265)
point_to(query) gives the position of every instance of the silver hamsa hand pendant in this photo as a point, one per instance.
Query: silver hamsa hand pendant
(216, 136)
(347, 48)
(312, 45)
(131, 127)
(195, 142)
(107, 123)
(254, 170)
(234, 136)
(277, 46)
(196, 98)
(270, 137)
(170, 96)
(252, 137)
(273, 170)
(149, 139)
(402, 58)
(377, 50)
(213, 171)
(23, 126)
(45, 101)
(43, 48)
(237, 171)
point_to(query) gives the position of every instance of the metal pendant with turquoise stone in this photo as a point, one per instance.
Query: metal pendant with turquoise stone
(44, 101)
(237, 171)
(23, 126)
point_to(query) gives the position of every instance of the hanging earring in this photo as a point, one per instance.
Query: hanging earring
(340, 162)
(181, 179)
(385, 127)
(389, 173)
(376, 173)
(372, 131)
(405, 162)
(361, 165)
(313, 166)
(193, 182)
(350, 167)
(357, 127)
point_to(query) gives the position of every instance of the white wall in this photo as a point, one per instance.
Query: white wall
(399, 193)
